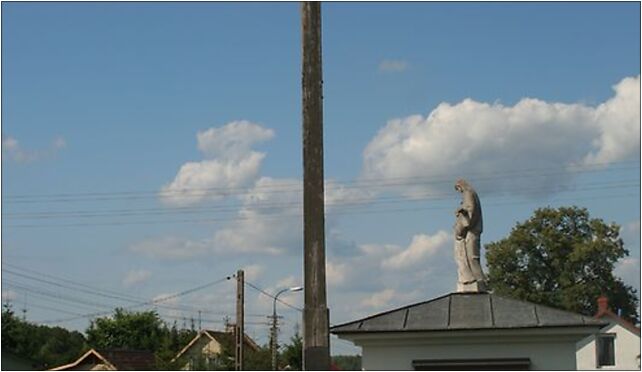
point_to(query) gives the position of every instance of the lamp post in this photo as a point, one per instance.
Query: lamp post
(273, 344)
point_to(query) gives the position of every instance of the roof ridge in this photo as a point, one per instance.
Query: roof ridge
(619, 320)
(444, 313)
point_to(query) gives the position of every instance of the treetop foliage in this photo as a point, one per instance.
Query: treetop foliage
(562, 258)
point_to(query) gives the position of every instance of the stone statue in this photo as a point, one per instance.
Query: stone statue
(468, 228)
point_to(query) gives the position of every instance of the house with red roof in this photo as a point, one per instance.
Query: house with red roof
(615, 347)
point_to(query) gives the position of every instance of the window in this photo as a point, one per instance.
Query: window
(605, 344)
(499, 364)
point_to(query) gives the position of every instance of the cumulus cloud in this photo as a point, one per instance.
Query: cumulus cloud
(253, 272)
(337, 194)
(618, 120)
(233, 140)
(379, 299)
(421, 247)
(135, 277)
(13, 151)
(391, 65)
(484, 140)
(229, 164)
(268, 222)
(336, 273)
(384, 276)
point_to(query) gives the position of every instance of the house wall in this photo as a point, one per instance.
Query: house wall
(203, 347)
(627, 350)
(543, 355)
(546, 348)
(91, 367)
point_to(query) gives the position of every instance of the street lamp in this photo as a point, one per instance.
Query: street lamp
(274, 345)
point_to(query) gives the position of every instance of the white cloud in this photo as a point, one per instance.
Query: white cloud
(390, 65)
(135, 277)
(619, 124)
(335, 273)
(13, 151)
(269, 221)
(211, 179)
(253, 272)
(230, 164)
(379, 299)
(422, 247)
(337, 194)
(482, 139)
(233, 140)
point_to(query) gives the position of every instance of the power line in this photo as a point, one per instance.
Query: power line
(56, 296)
(150, 302)
(98, 291)
(256, 288)
(279, 215)
(103, 306)
(361, 183)
(272, 205)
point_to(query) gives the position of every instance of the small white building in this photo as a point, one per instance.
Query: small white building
(615, 347)
(470, 331)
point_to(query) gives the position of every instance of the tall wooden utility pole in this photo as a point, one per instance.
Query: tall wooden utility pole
(316, 338)
(239, 331)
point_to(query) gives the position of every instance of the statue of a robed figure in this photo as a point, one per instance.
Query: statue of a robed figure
(468, 228)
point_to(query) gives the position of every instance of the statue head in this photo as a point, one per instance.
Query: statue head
(462, 185)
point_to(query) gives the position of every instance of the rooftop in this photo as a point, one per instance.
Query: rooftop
(467, 311)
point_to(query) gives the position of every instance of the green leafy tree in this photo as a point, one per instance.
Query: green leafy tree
(44, 346)
(128, 330)
(292, 354)
(258, 360)
(174, 340)
(59, 346)
(254, 360)
(562, 258)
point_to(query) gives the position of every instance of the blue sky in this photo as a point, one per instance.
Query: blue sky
(121, 106)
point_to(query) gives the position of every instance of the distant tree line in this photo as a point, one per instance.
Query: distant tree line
(43, 346)
(47, 347)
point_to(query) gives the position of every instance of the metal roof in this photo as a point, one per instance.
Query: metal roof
(467, 311)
